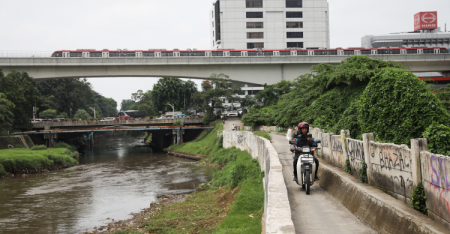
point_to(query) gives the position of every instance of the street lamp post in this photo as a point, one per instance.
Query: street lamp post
(173, 110)
(94, 112)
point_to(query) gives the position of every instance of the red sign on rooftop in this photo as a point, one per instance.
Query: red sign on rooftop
(425, 20)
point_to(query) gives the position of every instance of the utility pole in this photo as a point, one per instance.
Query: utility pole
(173, 110)
(94, 111)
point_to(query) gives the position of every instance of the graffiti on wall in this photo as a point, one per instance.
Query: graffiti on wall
(324, 140)
(435, 171)
(355, 152)
(241, 139)
(391, 168)
(338, 150)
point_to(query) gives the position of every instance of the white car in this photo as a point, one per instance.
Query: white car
(108, 119)
(234, 113)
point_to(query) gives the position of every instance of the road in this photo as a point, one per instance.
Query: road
(318, 212)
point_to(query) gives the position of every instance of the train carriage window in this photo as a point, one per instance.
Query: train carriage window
(332, 52)
(394, 52)
(96, 54)
(148, 54)
(428, 51)
(382, 52)
(294, 14)
(76, 54)
(185, 54)
(444, 51)
(57, 55)
(268, 53)
(235, 53)
(217, 53)
(199, 54)
(302, 53)
(284, 53)
(349, 52)
(254, 53)
(319, 52)
(366, 52)
(166, 54)
(411, 51)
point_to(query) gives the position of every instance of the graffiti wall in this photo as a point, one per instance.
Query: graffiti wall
(337, 156)
(436, 180)
(326, 146)
(392, 169)
(355, 152)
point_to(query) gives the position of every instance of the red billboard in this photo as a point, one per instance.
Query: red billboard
(425, 20)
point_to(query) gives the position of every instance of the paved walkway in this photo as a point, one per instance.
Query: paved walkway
(228, 126)
(318, 212)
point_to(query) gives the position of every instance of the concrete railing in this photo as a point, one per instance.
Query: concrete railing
(277, 212)
(395, 169)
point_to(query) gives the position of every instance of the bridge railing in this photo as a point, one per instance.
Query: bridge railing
(25, 54)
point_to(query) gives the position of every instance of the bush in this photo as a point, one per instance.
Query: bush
(220, 142)
(177, 123)
(260, 116)
(397, 107)
(347, 167)
(2, 171)
(82, 114)
(39, 147)
(438, 136)
(206, 119)
(363, 172)
(418, 199)
(238, 174)
(65, 146)
(48, 114)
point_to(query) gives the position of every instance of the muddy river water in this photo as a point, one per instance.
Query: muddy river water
(112, 181)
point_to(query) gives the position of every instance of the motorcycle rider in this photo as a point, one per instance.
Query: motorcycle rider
(304, 139)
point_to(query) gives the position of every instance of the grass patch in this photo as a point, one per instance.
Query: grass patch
(233, 202)
(17, 161)
(263, 134)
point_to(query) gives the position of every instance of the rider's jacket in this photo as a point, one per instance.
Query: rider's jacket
(302, 140)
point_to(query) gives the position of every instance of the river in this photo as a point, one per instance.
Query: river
(113, 180)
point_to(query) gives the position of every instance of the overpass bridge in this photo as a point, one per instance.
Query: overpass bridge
(253, 70)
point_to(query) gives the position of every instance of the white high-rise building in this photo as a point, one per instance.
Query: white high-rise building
(269, 24)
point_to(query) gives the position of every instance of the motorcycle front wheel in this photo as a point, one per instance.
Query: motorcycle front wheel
(307, 183)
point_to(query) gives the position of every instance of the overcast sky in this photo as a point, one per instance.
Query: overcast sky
(48, 25)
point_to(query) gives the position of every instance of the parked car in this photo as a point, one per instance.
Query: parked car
(59, 119)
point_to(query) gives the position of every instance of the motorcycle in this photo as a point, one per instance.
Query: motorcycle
(305, 165)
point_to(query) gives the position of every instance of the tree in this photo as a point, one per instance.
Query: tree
(397, 106)
(82, 114)
(444, 95)
(248, 101)
(48, 114)
(6, 113)
(144, 102)
(126, 104)
(218, 86)
(19, 89)
(271, 93)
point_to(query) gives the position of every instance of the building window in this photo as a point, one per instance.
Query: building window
(293, 3)
(294, 34)
(212, 13)
(295, 45)
(257, 45)
(213, 24)
(254, 14)
(213, 43)
(294, 14)
(294, 24)
(254, 3)
(253, 35)
(213, 33)
(255, 25)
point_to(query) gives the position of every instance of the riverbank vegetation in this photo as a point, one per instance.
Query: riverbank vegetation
(38, 159)
(362, 95)
(232, 202)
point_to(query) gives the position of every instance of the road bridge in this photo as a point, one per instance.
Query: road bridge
(48, 125)
(253, 70)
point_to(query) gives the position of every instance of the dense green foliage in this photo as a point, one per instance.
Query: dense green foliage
(39, 147)
(48, 114)
(418, 199)
(438, 136)
(363, 172)
(63, 95)
(82, 114)
(6, 113)
(22, 160)
(144, 102)
(444, 95)
(19, 89)
(2, 171)
(126, 104)
(174, 91)
(397, 107)
(272, 93)
(260, 116)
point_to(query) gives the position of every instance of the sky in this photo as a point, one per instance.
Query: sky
(49, 25)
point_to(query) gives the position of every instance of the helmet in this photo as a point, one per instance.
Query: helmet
(303, 125)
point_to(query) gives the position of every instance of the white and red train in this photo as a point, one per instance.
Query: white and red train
(81, 53)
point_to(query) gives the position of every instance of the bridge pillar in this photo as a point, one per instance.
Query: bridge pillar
(180, 136)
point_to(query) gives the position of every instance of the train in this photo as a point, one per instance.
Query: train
(91, 53)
